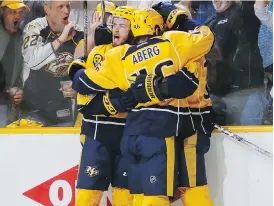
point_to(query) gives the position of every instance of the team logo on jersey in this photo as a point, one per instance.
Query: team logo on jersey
(222, 21)
(30, 27)
(136, 26)
(172, 14)
(91, 171)
(60, 66)
(153, 179)
(97, 61)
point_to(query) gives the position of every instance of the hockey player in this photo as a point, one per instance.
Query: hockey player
(149, 132)
(101, 162)
(109, 9)
(103, 30)
(195, 123)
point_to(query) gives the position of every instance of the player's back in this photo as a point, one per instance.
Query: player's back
(162, 56)
(200, 98)
(155, 56)
(196, 109)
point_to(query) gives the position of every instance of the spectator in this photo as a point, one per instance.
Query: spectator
(200, 10)
(11, 13)
(77, 11)
(236, 75)
(36, 11)
(144, 3)
(263, 10)
(49, 45)
(104, 36)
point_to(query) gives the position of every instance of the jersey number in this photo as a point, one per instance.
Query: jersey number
(30, 41)
(159, 69)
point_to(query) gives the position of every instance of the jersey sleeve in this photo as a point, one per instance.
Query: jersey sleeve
(35, 52)
(92, 105)
(110, 72)
(182, 84)
(90, 82)
(192, 45)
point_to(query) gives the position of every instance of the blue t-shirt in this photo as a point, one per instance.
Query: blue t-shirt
(205, 10)
(266, 42)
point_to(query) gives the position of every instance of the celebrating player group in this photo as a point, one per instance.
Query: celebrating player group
(146, 110)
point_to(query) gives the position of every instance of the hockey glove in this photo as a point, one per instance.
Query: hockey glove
(75, 66)
(103, 35)
(184, 24)
(146, 88)
(117, 101)
(170, 13)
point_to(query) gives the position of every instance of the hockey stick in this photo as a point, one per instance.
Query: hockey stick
(103, 8)
(85, 28)
(243, 141)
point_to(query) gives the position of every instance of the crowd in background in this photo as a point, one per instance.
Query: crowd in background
(33, 77)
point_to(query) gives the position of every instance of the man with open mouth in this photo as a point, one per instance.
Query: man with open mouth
(48, 49)
(11, 13)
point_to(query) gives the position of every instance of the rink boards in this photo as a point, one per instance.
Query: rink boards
(41, 169)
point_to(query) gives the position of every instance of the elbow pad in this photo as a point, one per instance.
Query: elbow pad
(75, 66)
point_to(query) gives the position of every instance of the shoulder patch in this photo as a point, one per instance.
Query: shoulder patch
(30, 27)
(97, 61)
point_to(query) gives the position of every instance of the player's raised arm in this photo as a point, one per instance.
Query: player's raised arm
(176, 17)
(192, 45)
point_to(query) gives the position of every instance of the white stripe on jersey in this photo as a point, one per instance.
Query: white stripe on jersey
(103, 122)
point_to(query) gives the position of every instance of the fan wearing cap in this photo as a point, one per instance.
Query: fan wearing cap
(11, 13)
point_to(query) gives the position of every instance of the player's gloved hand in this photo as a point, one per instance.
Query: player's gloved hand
(102, 35)
(146, 88)
(170, 13)
(76, 65)
(117, 101)
(164, 8)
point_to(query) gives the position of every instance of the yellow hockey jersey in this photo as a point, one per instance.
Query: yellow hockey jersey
(107, 130)
(93, 62)
(196, 109)
(163, 56)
